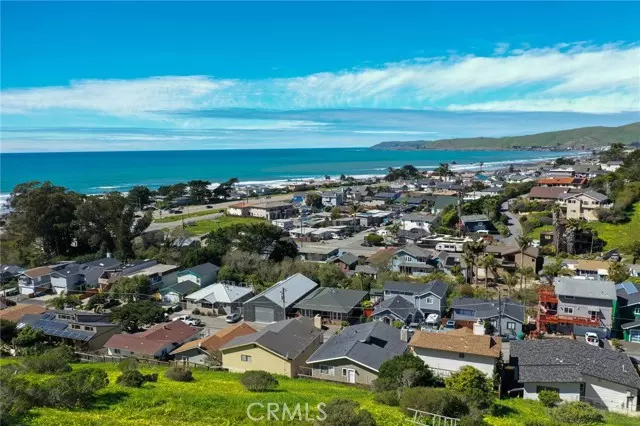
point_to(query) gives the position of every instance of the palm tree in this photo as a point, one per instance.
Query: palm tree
(510, 280)
(524, 243)
(528, 273)
(469, 261)
(474, 249)
(489, 263)
(556, 269)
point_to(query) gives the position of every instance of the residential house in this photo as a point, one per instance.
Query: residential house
(156, 342)
(16, 312)
(413, 260)
(332, 198)
(8, 272)
(628, 294)
(576, 306)
(543, 193)
(443, 201)
(74, 277)
(203, 274)
(584, 205)
(278, 301)
(577, 371)
(356, 353)
(334, 304)
(221, 298)
(447, 261)
(35, 280)
(286, 224)
(186, 242)
(280, 348)
(588, 269)
(510, 258)
(447, 187)
(367, 270)
(411, 302)
(200, 351)
(611, 166)
(564, 182)
(446, 353)
(172, 294)
(477, 223)
(273, 210)
(309, 253)
(374, 217)
(80, 329)
(412, 236)
(506, 316)
(346, 261)
(419, 221)
(239, 209)
(587, 171)
(446, 242)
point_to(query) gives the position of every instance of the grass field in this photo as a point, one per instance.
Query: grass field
(214, 398)
(206, 226)
(615, 236)
(176, 217)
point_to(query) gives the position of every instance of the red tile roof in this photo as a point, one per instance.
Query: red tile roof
(152, 340)
(215, 341)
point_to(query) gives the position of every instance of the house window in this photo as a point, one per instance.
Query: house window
(326, 369)
(75, 326)
(569, 297)
(116, 351)
(245, 358)
(461, 355)
(581, 388)
(567, 310)
(541, 388)
(636, 311)
(511, 325)
(344, 372)
(88, 328)
(593, 314)
(429, 301)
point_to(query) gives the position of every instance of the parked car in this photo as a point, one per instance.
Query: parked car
(592, 338)
(189, 320)
(233, 318)
(450, 325)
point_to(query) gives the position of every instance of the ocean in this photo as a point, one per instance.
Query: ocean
(99, 172)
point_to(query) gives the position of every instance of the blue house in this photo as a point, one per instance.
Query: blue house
(411, 302)
(413, 260)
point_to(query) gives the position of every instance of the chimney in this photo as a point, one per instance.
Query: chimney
(317, 322)
(404, 334)
(478, 328)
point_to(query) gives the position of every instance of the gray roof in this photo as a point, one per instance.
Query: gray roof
(182, 288)
(628, 293)
(416, 251)
(366, 269)
(105, 262)
(397, 305)
(348, 258)
(445, 200)
(474, 218)
(564, 361)
(631, 324)
(439, 288)
(332, 300)
(484, 309)
(414, 233)
(287, 338)
(368, 344)
(296, 286)
(593, 194)
(203, 269)
(592, 289)
(415, 217)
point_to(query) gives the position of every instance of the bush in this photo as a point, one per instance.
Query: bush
(179, 374)
(151, 377)
(392, 373)
(259, 381)
(539, 422)
(51, 361)
(74, 390)
(389, 397)
(468, 379)
(438, 401)
(129, 364)
(374, 238)
(474, 420)
(466, 291)
(196, 311)
(576, 412)
(344, 412)
(131, 379)
(549, 398)
(615, 344)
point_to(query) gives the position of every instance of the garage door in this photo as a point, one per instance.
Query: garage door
(264, 314)
(634, 336)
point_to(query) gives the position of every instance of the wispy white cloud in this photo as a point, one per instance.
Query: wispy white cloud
(522, 79)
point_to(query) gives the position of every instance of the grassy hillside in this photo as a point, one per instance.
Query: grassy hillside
(582, 138)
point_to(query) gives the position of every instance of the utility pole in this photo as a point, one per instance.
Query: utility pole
(282, 297)
(460, 213)
(499, 313)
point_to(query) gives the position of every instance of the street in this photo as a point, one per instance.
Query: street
(514, 224)
(351, 244)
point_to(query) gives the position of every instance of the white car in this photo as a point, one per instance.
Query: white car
(592, 338)
(194, 322)
(233, 318)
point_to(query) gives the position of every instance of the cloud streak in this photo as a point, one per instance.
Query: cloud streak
(568, 77)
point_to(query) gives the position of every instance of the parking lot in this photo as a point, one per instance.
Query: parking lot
(351, 244)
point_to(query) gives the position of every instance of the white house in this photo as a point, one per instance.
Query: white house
(203, 274)
(611, 166)
(446, 353)
(420, 221)
(577, 371)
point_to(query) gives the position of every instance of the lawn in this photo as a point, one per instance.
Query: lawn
(515, 412)
(206, 226)
(214, 398)
(177, 217)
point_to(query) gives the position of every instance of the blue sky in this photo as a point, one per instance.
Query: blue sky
(205, 75)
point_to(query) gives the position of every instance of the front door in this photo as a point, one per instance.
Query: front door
(634, 336)
(351, 375)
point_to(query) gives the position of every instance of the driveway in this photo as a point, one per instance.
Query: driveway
(514, 224)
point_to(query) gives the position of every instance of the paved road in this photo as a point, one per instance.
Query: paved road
(352, 244)
(163, 225)
(514, 224)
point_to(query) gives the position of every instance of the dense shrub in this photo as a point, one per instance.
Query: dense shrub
(179, 374)
(7, 330)
(473, 384)
(74, 390)
(389, 397)
(549, 398)
(432, 400)
(539, 422)
(577, 412)
(344, 412)
(259, 381)
(128, 364)
(48, 362)
(17, 396)
(394, 373)
(131, 379)
(475, 419)
(151, 377)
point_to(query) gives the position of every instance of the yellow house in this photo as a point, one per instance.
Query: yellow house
(279, 348)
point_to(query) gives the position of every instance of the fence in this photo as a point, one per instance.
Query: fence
(429, 419)
(441, 372)
(85, 357)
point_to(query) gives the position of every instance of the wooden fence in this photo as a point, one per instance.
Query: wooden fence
(86, 357)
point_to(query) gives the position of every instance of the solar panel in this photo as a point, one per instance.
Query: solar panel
(629, 287)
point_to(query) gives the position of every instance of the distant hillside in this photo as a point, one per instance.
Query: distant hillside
(582, 138)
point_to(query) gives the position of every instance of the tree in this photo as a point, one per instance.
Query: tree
(345, 412)
(313, 200)
(555, 269)
(76, 389)
(64, 301)
(7, 330)
(618, 272)
(466, 379)
(374, 239)
(391, 372)
(489, 263)
(139, 196)
(199, 191)
(133, 316)
(472, 250)
(614, 153)
(335, 213)
(524, 243)
(224, 189)
(443, 170)
(28, 337)
(510, 280)
(403, 173)
(131, 288)
(633, 249)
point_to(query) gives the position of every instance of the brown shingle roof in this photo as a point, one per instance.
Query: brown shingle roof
(462, 341)
(152, 340)
(14, 313)
(215, 341)
(546, 192)
(562, 181)
(38, 272)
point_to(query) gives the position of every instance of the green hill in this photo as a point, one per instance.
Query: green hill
(582, 138)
